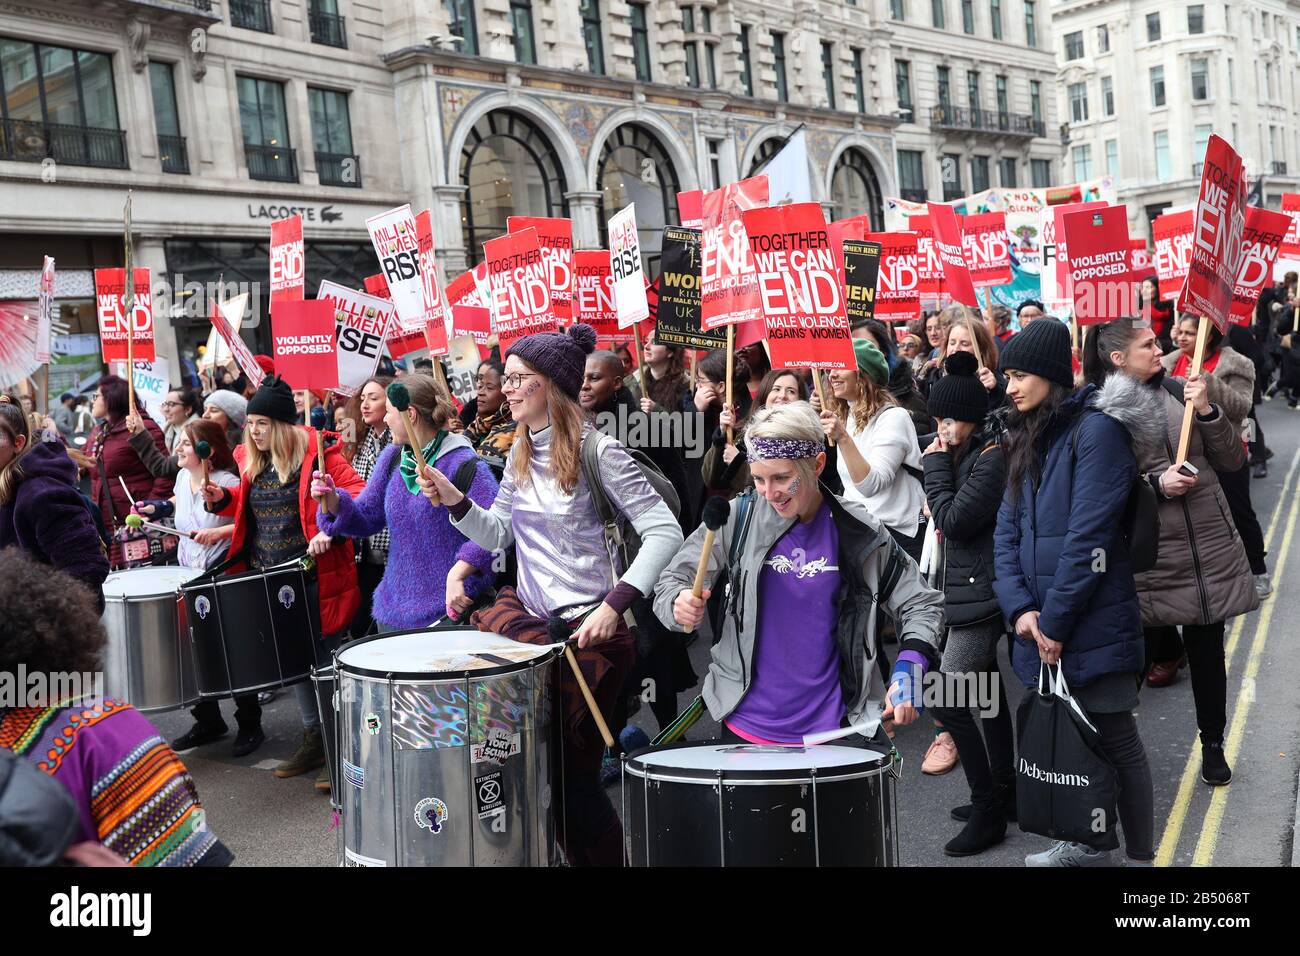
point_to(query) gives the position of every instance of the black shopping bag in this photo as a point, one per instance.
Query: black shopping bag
(1065, 787)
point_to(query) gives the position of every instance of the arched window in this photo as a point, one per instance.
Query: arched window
(634, 167)
(855, 191)
(510, 169)
(768, 149)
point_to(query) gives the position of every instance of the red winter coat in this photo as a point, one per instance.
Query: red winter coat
(336, 569)
(118, 458)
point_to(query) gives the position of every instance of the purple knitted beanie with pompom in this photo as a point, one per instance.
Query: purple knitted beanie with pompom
(560, 356)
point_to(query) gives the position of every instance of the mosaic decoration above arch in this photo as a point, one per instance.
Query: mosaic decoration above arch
(580, 118)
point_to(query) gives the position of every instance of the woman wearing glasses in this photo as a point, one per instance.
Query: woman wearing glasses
(545, 509)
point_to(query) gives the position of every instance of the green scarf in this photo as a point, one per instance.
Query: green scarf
(407, 466)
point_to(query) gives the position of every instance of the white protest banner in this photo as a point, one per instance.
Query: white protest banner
(625, 268)
(397, 246)
(361, 324)
(45, 310)
(226, 318)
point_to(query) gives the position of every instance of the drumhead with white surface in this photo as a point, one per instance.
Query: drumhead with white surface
(147, 582)
(754, 762)
(430, 654)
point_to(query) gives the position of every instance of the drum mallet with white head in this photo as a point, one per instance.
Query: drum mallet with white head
(716, 512)
(559, 633)
(400, 399)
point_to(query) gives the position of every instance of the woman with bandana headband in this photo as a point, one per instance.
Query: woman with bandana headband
(806, 657)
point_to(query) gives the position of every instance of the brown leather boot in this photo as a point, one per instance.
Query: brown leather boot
(1164, 673)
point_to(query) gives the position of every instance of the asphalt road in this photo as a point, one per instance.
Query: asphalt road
(267, 821)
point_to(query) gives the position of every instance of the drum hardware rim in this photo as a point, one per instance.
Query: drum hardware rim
(766, 782)
(420, 677)
(817, 844)
(722, 822)
(238, 691)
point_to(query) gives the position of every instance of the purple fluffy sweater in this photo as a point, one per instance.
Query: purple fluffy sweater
(413, 592)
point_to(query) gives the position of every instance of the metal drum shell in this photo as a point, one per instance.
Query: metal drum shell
(408, 745)
(146, 658)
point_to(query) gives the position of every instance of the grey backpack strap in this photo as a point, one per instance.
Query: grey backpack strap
(590, 458)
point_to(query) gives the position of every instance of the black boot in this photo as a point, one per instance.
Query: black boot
(247, 740)
(1006, 797)
(1214, 766)
(198, 735)
(984, 829)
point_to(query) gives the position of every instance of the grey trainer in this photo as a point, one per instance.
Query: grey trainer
(1069, 854)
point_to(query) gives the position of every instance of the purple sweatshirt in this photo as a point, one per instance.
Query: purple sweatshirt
(424, 545)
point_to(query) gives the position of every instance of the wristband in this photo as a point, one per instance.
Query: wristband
(907, 675)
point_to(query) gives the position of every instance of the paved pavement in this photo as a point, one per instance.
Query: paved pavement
(267, 821)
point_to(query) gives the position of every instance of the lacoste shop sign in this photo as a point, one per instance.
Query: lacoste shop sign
(317, 214)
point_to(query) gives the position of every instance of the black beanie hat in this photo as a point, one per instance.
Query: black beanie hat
(1041, 348)
(959, 395)
(274, 399)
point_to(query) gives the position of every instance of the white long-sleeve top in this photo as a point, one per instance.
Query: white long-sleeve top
(890, 493)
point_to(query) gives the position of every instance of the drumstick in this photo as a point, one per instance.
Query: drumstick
(558, 630)
(135, 521)
(716, 511)
(204, 451)
(127, 490)
(866, 728)
(400, 399)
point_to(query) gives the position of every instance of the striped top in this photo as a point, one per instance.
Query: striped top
(132, 792)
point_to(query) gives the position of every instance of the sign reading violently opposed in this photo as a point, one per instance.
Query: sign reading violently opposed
(1100, 277)
(555, 236)
(593, 295)
(1218, 223)
(728, 287)
(518, 286)
(44, 310)
(397, 246)
(472, 320)
(302, 344)
(1291, 244)
(1055, 283)
(1262, 239)
(1173, 238)
(898, 283)
(952, 253)
(690, 208)
(1139, 258)
(928, 264)
(988, 248)
(861, 272)
(625, 268)
(110, 292)
(226, 319)
(435, 323)
(802, 304)
(677, 316)
(361, 324)
(288, 260)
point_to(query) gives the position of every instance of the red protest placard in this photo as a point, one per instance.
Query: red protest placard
(928, 265)
(401, 343)
(952, 253)
(1217, 227)
(1291, 243)
(690, 208)
(225, 319)
(465, 290)
(473, 321)
(1062, 292)
(429, 284)
(1098, 262)
(856, 227)
(110, 291)
(728, 287)
(288, 260)
(1265, 230)
(302, 344)
(898, 284)
(988, 248)
(593, 295)
(519, 287)
(555, 236)
(377, 285)
(801, 296)
(1173, 238)
(1139, 258)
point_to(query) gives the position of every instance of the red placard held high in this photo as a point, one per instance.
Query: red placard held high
(948, 240)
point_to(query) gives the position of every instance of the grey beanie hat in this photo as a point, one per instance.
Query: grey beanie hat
(233, 404)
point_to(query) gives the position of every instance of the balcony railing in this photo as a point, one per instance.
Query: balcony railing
(251, 15)
(328, 29)
(1279, 167)
(946, 116)
(338, 169)
(276, 164)
(32, 141)
(171, 150)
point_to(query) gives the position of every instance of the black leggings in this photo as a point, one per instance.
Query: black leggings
(1123, 748)
(988, 760)
(1204, 646)
(1236, 488)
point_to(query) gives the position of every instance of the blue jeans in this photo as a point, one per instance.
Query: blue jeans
(305, 690)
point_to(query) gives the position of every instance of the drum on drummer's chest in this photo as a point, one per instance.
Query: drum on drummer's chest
(448, 750)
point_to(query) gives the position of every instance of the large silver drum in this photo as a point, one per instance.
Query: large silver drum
(448, 750)
(147, 662)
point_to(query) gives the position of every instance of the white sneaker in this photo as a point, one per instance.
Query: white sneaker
(1069, 854)
(1263, 586)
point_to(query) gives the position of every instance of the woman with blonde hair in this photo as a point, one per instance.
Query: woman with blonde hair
(275, 521)
(567, 568)
(969, 334)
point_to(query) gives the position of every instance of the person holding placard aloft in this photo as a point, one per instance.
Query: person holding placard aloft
(1201, 577)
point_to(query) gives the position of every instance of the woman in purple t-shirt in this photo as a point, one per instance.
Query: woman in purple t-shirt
(798, 652)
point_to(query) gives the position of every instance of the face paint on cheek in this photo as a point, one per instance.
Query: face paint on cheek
(794, 487)
(531, 388)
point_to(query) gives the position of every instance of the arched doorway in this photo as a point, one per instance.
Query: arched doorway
(510, 169)
(634, 167)
(855, 191)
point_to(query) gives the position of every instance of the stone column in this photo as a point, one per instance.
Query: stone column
(453, 257)
(584, 210)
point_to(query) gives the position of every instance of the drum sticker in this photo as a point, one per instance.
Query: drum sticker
(431, 814)
(286, 595)
(355, 775)
(356, 859)
(202, 606)
(372, 724)
(498, 746)
(489, 798)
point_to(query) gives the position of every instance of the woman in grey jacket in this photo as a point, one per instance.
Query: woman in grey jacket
(799, 653)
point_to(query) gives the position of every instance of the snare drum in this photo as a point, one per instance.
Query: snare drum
(449, 748)
(254, 630)
(749, 805)
(147, 661)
